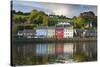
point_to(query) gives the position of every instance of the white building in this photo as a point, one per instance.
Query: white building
(28, 33)
(20, 33)
(68, 32)
(68, 29)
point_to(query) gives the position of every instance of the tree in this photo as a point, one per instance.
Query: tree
(19, 19)
(19, 12)
(45, 20)
(84, 19)
(79, 22)
(13, 11)
(38, 17)
(20, 27)
(32, 17)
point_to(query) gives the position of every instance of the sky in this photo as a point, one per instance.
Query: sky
(68, 10)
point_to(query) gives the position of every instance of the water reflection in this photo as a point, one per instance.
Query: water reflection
(48, 53)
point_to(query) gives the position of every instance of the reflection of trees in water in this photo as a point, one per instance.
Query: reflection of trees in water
(25, 54)
(85, 51)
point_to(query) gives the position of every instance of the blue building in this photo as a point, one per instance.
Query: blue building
(90, 33)
(85, 33)
(41, 32)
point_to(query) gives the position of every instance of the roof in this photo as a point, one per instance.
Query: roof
(51, 27)
(63, 24)
(42, 27)
(21, 31)
(91, 30)
(79, 30)
(59, 28)
(28, 30)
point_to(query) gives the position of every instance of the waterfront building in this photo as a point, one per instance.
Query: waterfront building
(59, 32)
(90, 33)
(20, 33)
(85, 33)
(51, 32)
(28, 33)
(41, 32)
(78, 32)
(67, 29)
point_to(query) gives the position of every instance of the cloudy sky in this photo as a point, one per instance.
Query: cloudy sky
(68, 10)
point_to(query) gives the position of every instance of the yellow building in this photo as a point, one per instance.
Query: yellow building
(51, 32)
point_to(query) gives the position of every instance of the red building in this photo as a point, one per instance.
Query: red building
(59, 33)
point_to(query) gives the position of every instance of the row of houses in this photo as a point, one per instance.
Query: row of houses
(47, 49)
(58, 31)
(61, 30)
(85, 33)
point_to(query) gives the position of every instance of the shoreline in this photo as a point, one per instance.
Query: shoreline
(53, 40)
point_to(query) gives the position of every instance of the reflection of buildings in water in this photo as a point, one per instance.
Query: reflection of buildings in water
(59, 48)
(51, 49)
(54, 49)
(68, 49)
(41, 49)
(45, 49)
(41, 53)
(45, 53)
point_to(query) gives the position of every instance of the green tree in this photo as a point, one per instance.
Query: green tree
(45, 20)
(38, 17)
(20, 27)
(79, 22)
(33, 16)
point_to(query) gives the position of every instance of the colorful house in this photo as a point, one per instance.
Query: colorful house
(68, 29)
(59, 32)
(90, 33)
(41, 32)
(51, 32)
(78, 32)
(20, 33)
(28, 33)
(85, 33)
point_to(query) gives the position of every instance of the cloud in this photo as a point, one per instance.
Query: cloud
(68, 10)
